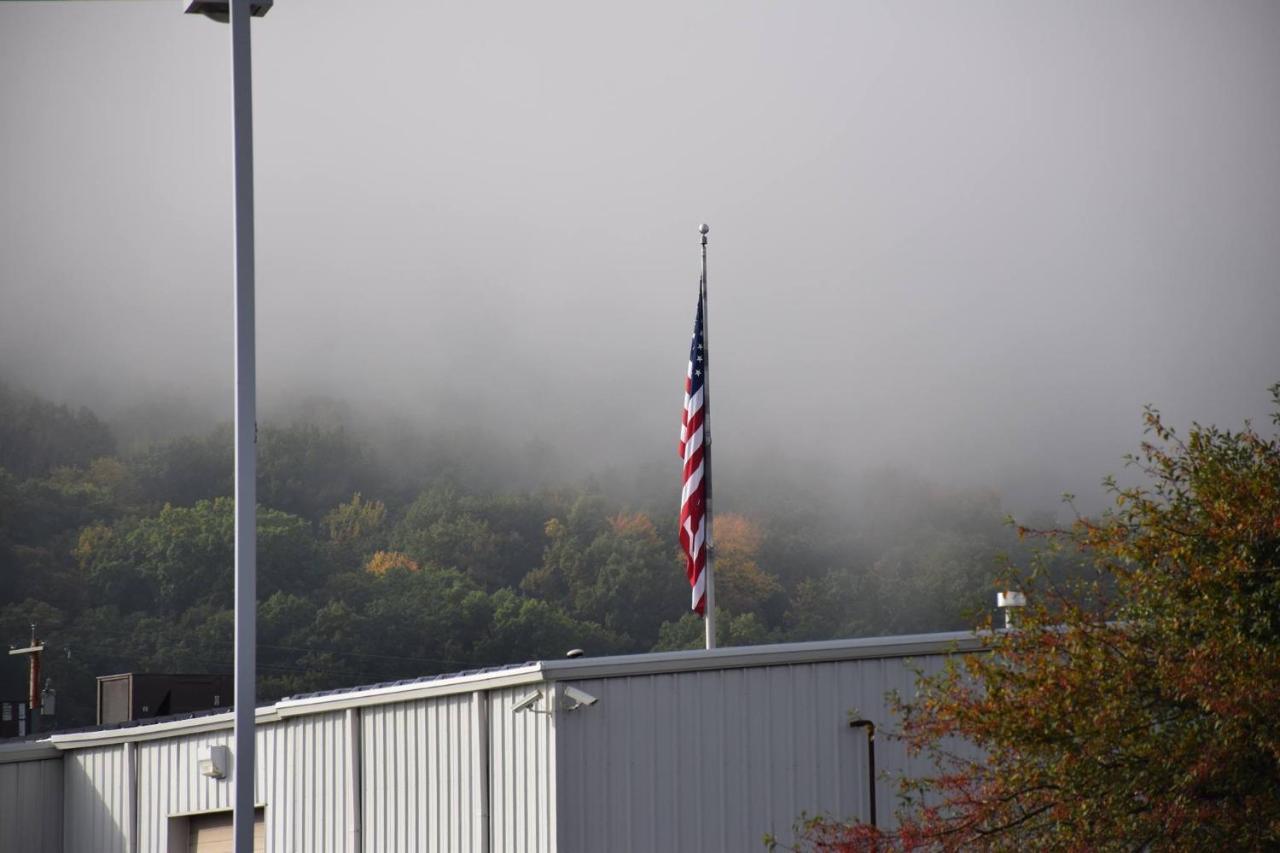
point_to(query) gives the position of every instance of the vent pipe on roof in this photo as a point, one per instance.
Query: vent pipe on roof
(1009, 601)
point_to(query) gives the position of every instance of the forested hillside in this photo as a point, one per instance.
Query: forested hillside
(396, 562)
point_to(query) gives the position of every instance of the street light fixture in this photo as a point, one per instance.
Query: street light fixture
(219, 10)
(237, 13)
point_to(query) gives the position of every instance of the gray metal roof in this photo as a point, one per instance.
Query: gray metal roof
(495, 677)
(425, 679)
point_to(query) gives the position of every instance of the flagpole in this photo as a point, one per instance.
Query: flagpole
(710, 616)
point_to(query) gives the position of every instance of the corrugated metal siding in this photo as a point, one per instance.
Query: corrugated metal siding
(31, 806)
(522, 767)
(300, 777)
(169, 783)
(711, 761)
(421, 784)
(94, 791)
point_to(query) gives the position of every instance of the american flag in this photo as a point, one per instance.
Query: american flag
(694, 453)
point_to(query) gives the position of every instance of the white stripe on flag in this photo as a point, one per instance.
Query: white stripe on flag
(693, 444)
(699, 587)
(691, 485)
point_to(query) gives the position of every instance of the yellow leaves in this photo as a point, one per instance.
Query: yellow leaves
(384, 561)
(107, 472)
(737, 537)
(351, 521)
(633, 524)
(92, 540)
(741, 585)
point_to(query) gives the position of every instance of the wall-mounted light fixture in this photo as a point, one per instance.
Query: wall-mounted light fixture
(215, 766)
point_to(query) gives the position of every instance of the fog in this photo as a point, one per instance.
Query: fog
(965, 240)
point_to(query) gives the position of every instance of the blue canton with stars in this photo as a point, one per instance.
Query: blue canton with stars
(697, 354)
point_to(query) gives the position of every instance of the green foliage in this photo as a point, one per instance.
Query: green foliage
(689, 632)
(185, 470)
(495, 540)
(529, 629)
(184, 556)
(305, 470)
(356, 522)
(371, 571)
(37, 436)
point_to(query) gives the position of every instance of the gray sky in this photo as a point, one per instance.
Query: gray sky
(970, 238)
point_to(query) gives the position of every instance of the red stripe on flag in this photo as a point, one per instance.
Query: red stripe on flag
(694, 482)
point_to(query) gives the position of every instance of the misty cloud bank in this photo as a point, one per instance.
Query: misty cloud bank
(967, 242)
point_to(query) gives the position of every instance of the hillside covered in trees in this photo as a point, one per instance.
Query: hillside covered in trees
(415, 556)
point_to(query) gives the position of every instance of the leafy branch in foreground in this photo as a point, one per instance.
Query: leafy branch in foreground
(1137, 709)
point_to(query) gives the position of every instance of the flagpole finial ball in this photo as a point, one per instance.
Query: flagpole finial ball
(704, 229)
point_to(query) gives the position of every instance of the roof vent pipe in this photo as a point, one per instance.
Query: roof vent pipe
(1009, 601)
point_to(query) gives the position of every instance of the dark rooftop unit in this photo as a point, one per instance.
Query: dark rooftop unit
(13, 718)
(140, 695)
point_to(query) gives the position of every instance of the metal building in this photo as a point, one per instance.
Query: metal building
(696, 751)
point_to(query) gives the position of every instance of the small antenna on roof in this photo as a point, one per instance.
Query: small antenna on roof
(574, 653)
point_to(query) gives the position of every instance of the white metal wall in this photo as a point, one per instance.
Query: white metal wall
(300, 778)
(31, 806)
(706, 760)
(713, 760)
(522, 768)
(95, 800)
(170, 783)
(303, 779)
(423, 775)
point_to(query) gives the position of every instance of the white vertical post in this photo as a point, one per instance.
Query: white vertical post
(246, 430)
(355, 773)
(710, 619)
(481, 759)
(130, 817)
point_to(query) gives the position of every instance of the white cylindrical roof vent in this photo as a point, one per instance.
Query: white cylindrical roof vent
(1009, 601)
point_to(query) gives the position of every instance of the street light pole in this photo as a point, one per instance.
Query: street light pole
(246, 427)
(246, 430)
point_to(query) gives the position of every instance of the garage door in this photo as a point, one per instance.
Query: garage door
(211, 833)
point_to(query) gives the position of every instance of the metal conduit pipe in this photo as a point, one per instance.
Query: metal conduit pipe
(871, 760)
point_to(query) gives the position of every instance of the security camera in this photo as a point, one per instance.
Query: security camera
(527, 703)
(579, 697)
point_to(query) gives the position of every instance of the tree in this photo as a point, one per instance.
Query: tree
(383, 561)
(184, 556)
(355, 521)
(690, 632)
(741, 585)
(1136, 710)
(529, 629)
(495, 540)
(186, 469)
(356, 529)
(626, 577)
(305, 470)
(37, 436)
